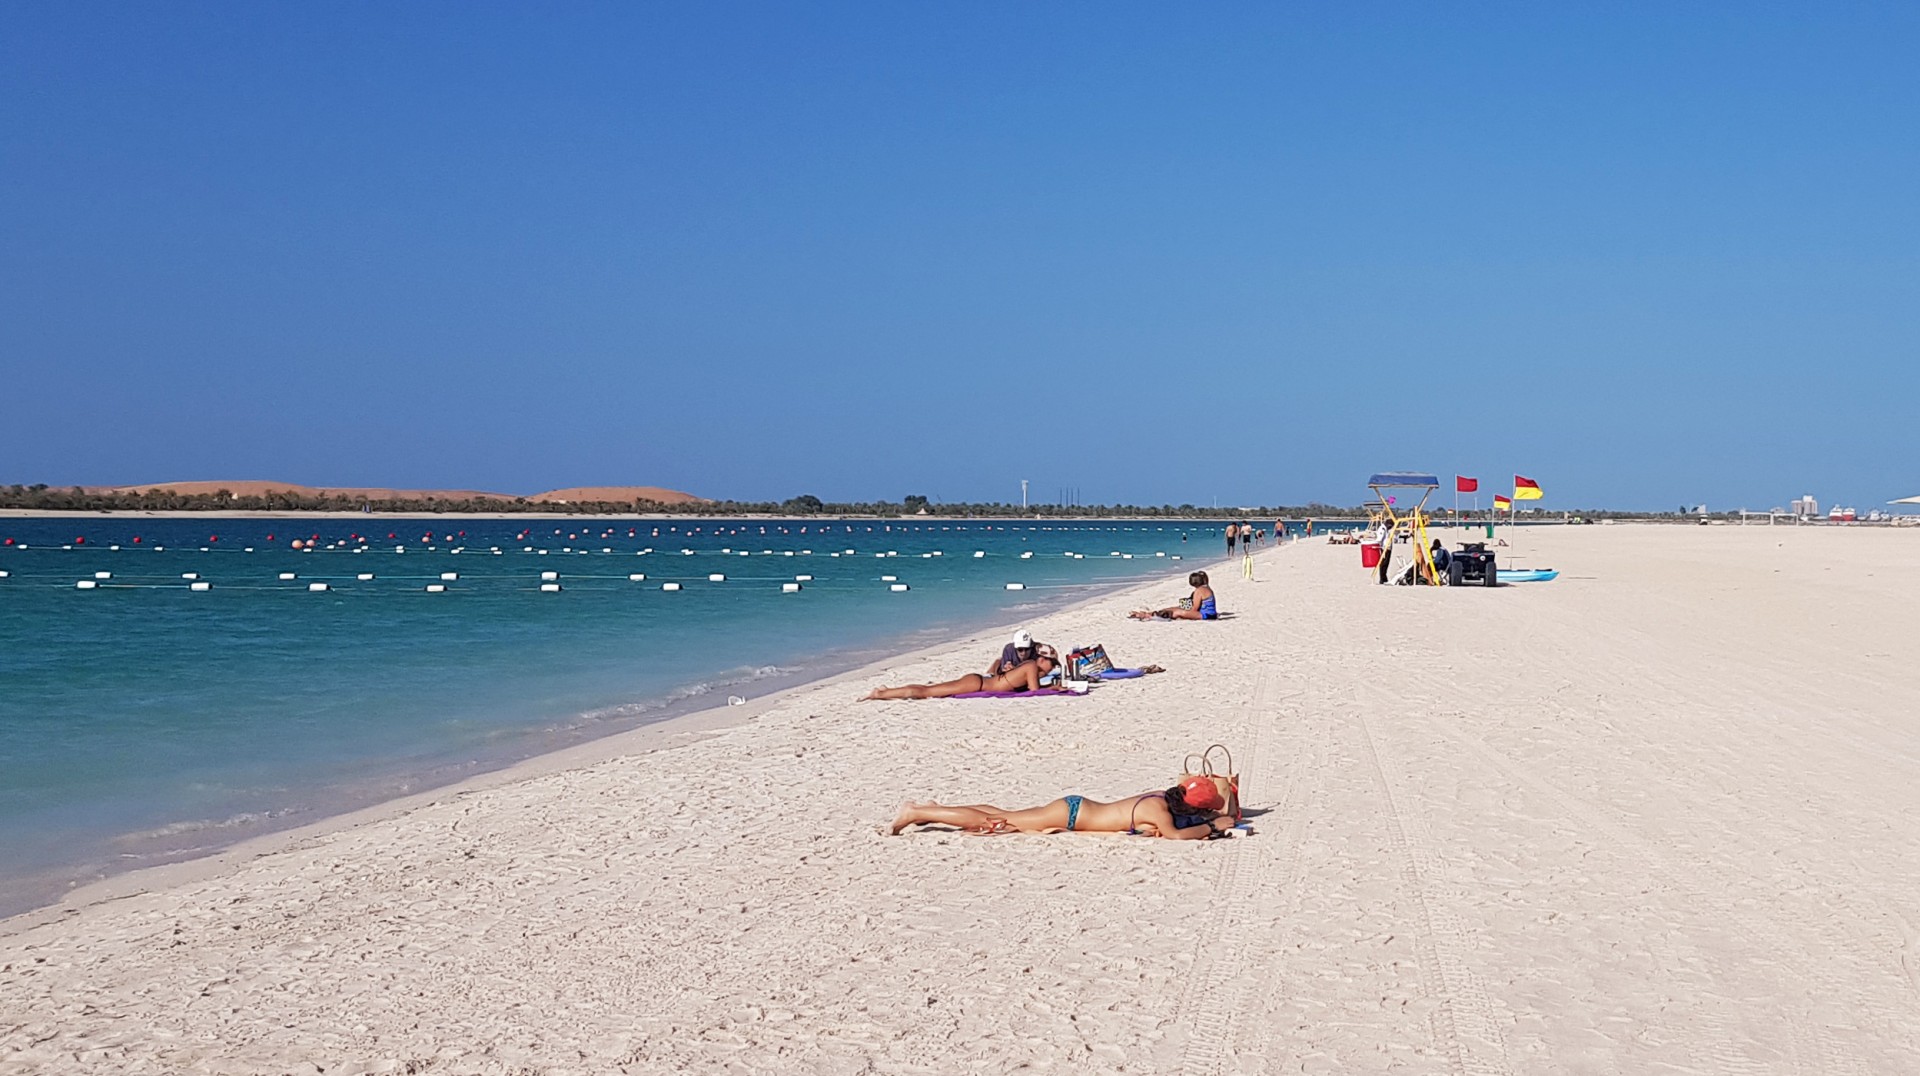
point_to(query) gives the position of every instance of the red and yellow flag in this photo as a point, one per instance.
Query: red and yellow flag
(1526, 489)
(1500, 502)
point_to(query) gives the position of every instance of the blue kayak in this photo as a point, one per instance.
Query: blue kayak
(1528, 575)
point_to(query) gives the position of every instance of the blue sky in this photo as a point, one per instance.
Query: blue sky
(1160, 253)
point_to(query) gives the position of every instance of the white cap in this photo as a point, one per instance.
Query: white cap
(1022, 639)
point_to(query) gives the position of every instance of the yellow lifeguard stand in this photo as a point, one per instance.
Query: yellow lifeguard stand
(1413, 520)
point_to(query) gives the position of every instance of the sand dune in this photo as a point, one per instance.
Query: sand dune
(255, 488)
(1653, 817)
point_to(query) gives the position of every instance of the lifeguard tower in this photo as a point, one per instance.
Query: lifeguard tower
(1410, 519)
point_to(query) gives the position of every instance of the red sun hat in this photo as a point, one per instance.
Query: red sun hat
(1200, 792)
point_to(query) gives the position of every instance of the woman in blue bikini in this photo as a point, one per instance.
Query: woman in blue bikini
(1185, 812)
(1200, 606)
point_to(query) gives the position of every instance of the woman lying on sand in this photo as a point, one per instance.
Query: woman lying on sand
(1024, 677)
(1185, 812)
(1199, 606)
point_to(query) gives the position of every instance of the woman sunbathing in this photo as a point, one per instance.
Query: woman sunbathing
(1198, 606)
(1185, 812)
(1023, 677)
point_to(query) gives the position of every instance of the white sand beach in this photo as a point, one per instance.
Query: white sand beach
(1654, 816)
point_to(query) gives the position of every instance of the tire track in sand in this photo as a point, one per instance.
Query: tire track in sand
(1466, 1022)
(1214, 1007)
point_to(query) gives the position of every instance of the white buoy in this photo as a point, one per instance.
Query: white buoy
(1016, 586)
(1126, 556)
(85, 584)
(669, 586)
(436, 588)
(1162, 553)
(315, 588)
(803, 579)
(285, 576)
(1028, 555)
(1176, 556)
(888, 578)
(3, 575)
(365, 577)
(199, 586)
(549, 588)
(897, 587)
(103, 575)
(636, 577)
(115, 548)
(448, 577)
(549, 576)
(978, 553)
(789, 588)
(716, 577)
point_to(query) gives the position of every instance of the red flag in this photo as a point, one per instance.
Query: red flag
(1465, 485)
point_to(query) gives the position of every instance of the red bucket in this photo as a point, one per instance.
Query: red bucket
(1369, 554)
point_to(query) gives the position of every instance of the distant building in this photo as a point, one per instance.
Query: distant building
(1806, 507)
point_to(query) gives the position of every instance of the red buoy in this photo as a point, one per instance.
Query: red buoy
(80, 541)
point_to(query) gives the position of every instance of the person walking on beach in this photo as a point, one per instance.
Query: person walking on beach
(1191, 811)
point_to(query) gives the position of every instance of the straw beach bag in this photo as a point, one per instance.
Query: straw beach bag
(1221, 774)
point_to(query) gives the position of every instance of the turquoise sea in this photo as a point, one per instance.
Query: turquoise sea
(143, 721)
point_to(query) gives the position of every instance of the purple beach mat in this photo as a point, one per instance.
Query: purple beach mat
(1016, 695)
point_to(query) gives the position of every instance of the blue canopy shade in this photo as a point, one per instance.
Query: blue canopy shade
(1404, 480)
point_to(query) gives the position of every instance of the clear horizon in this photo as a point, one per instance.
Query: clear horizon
(1647, 257)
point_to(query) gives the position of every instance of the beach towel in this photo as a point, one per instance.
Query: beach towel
(1017, 695)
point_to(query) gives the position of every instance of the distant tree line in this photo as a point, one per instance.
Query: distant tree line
(76, 499)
